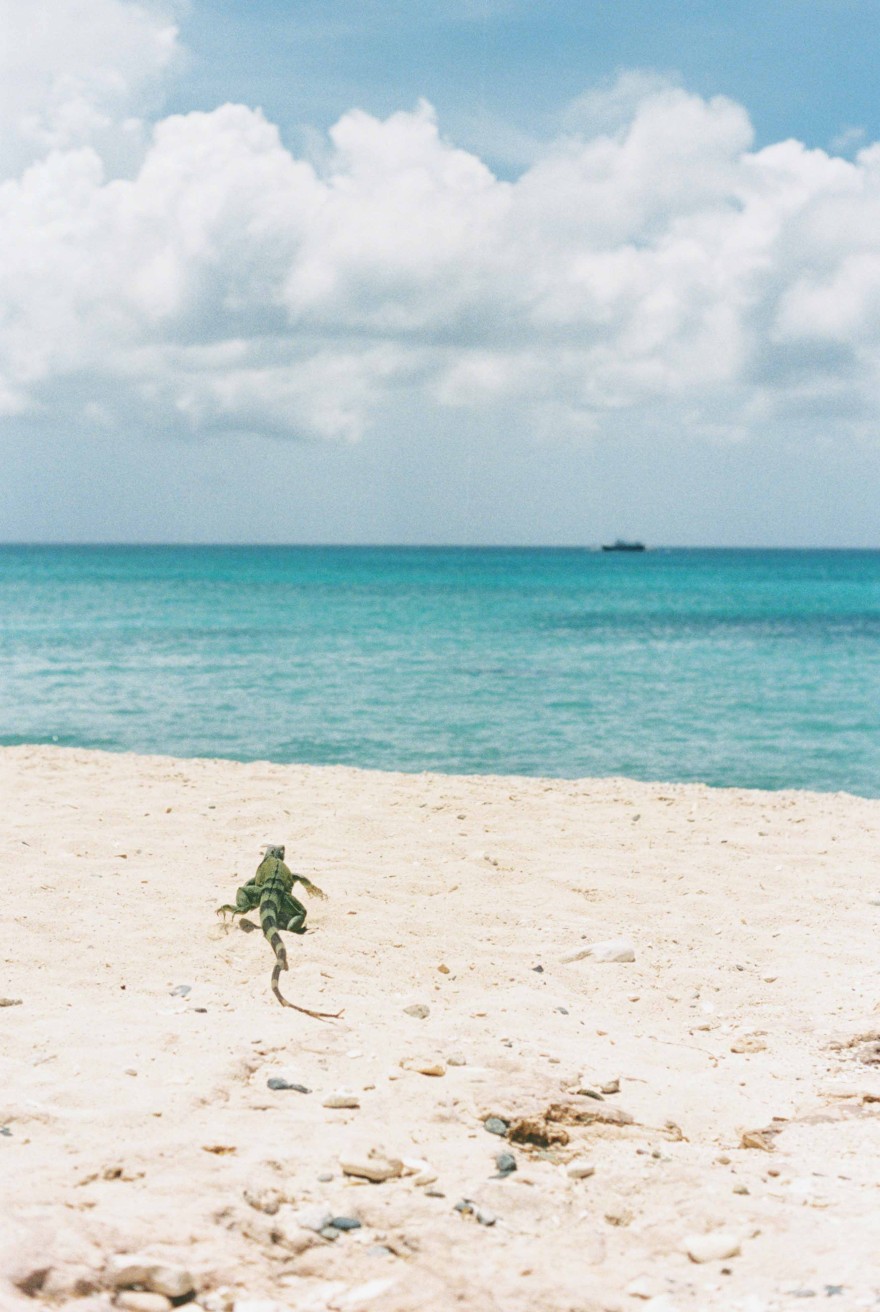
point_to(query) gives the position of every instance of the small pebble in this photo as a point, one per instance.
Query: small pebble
(264, 1199)
(422, 1172)
(539, 970)
(128, 1269)
(314, 1218)
(372, 1166)
(740, 1189)
(5, 1130)
(756, 1139)
(434, 1193)
(580, 1169)
(712, 1247)
(256, 1305)
(10, 1002)
(325, 1178)
(342, 1100)
(613, 949)
(619, 1216)
(278, 1082)
(419, 1010)
(506, 1163)
(328, 1232)
(139, 1300)
(181, 990)
(584, 1092)
(346, 1223)
(423, 1065)
(456, 1059)
(495, 1125)
(610, 1086)
(480, 1214)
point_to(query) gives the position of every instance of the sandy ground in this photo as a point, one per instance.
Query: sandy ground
(137, 1116)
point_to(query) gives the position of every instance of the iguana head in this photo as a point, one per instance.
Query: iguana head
(271, 850)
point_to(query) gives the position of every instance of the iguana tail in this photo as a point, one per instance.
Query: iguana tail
(270, 905)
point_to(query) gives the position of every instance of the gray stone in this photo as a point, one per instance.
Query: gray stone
(346, 1223)
(506, 1163)
(279, 1082)
(495, 1125)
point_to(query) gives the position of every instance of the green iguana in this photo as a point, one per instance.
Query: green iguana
(271, 889)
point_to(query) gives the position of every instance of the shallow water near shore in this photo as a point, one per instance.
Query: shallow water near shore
(735, 668)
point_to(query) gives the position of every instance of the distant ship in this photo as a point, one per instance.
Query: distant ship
(620, 545)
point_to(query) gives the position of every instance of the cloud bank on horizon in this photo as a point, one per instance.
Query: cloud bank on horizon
(188, 273)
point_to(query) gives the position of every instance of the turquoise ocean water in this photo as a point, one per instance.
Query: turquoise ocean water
(752, 668)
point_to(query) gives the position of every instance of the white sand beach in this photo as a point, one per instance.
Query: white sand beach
(731, 1161)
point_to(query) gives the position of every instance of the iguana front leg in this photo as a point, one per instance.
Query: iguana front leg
(311, 888)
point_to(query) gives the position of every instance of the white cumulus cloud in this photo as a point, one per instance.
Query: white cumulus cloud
(651, 262)
(78, 71)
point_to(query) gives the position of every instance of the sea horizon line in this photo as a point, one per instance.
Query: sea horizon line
(586, 547)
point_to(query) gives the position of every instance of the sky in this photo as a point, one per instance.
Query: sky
(472, 271)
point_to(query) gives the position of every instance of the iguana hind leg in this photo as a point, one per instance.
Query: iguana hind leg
(292, 915)
(246, 899)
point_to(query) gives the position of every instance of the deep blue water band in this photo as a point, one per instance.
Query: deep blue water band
(751, 668)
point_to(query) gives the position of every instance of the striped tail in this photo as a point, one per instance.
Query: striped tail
(270, 905)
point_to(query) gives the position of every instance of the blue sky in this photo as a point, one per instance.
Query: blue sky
(467, 271)
(496, 70)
